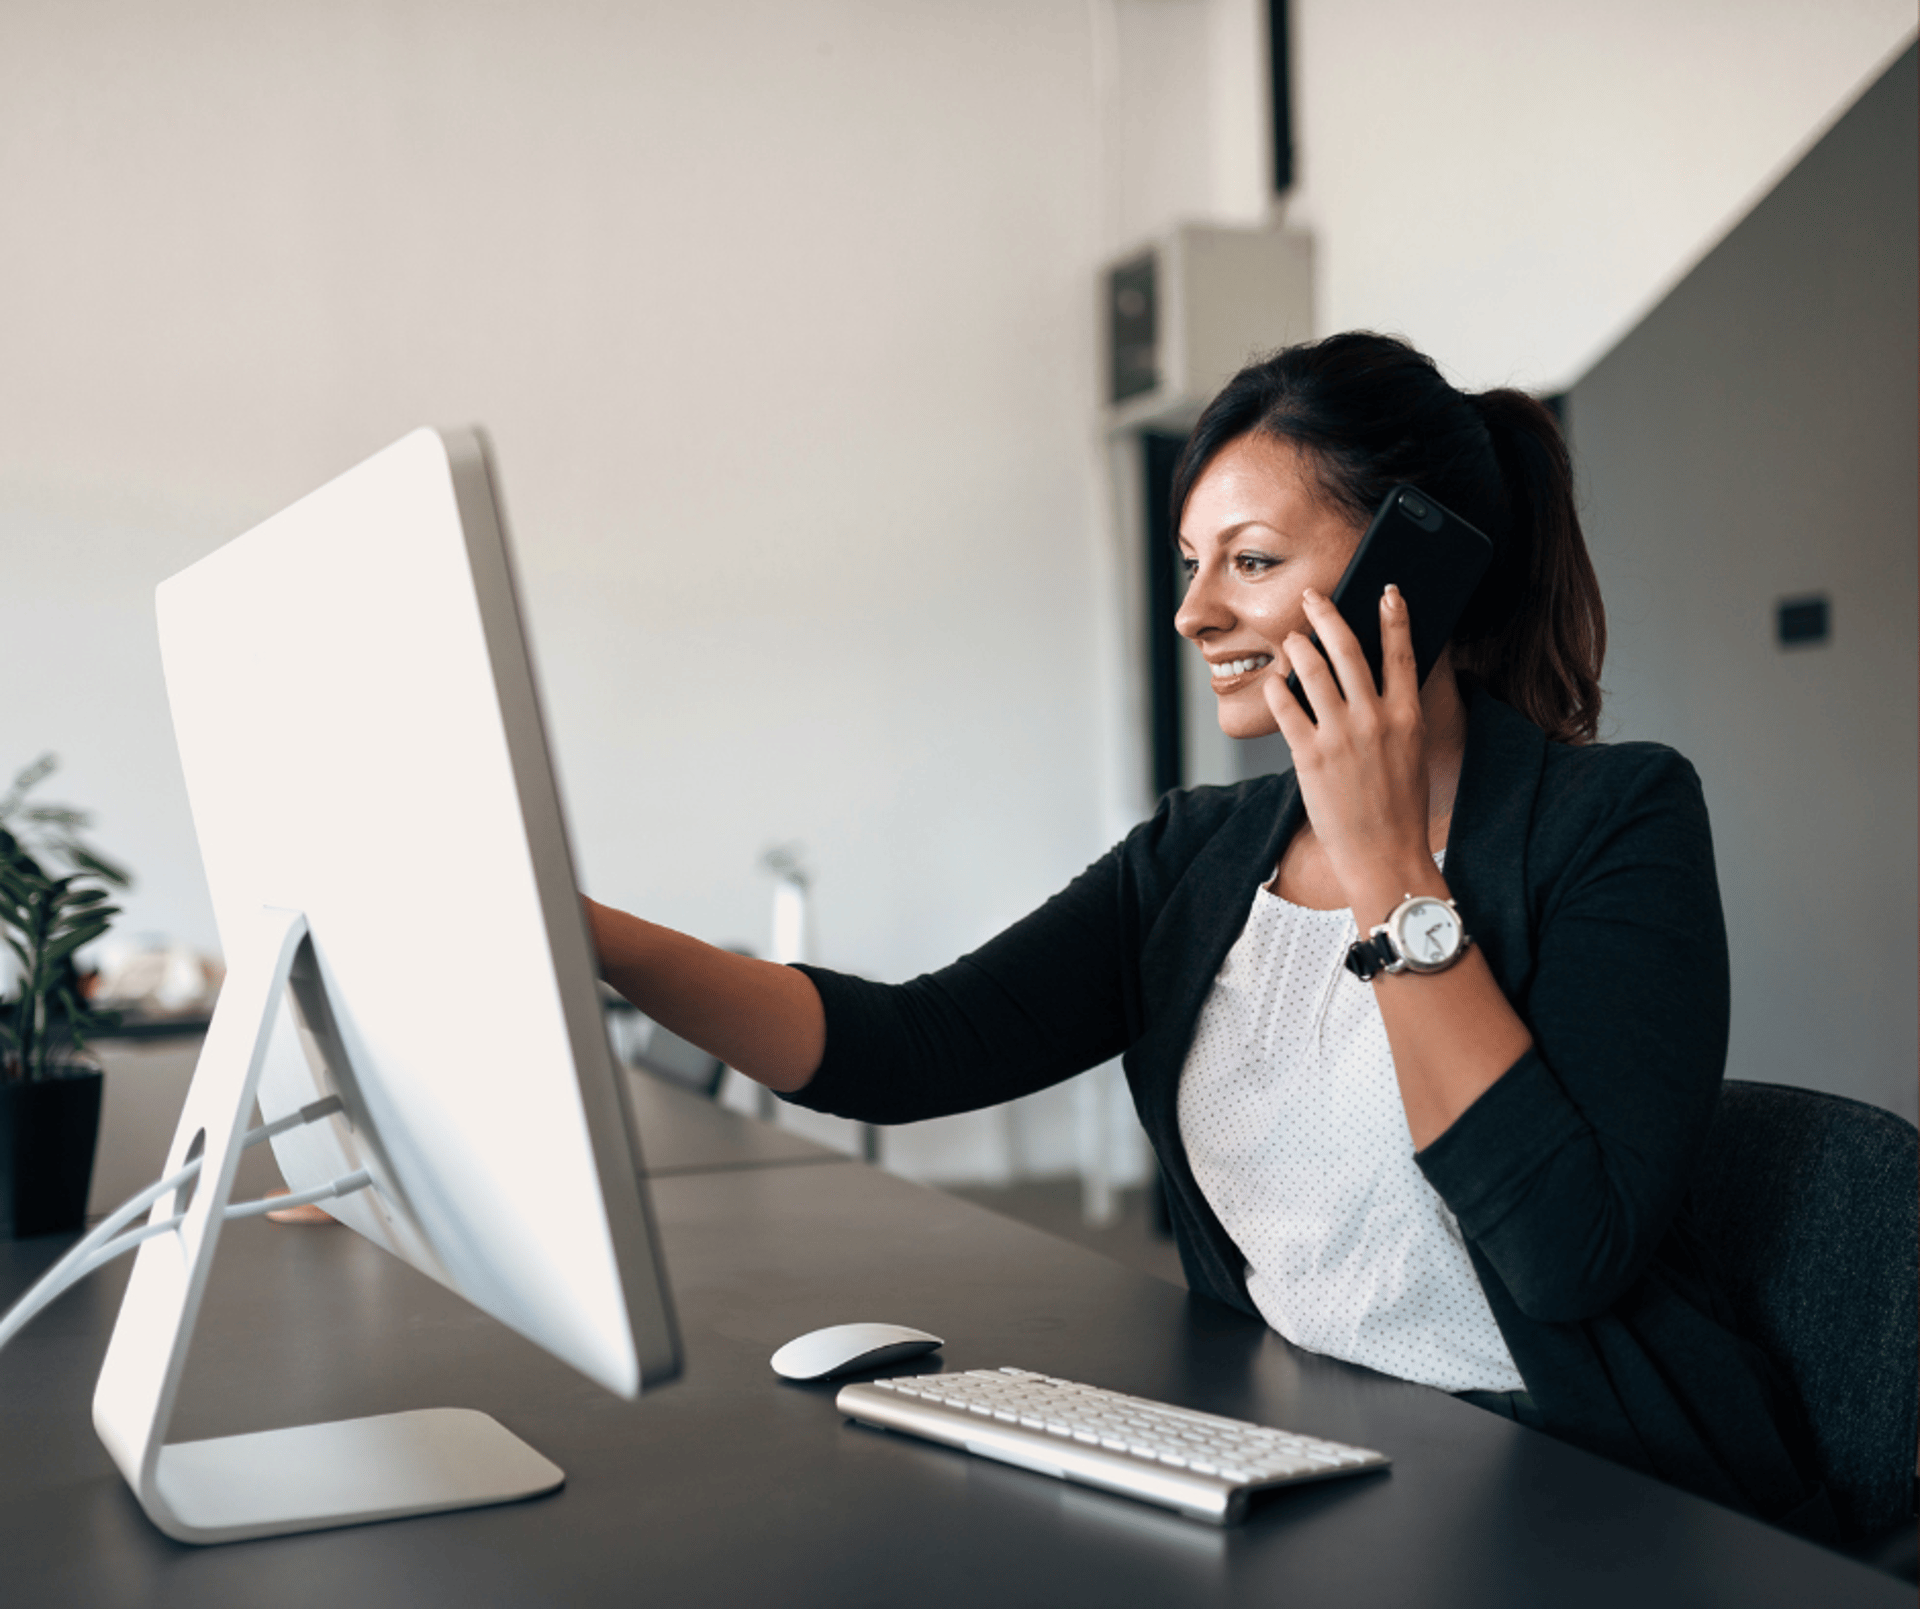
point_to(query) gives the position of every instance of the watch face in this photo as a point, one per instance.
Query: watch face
(1428, 932)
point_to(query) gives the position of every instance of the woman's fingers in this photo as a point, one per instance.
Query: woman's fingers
(1296, 725)
(1316, 678)
(1341, 646)
(1400, 676)
(310, 1213)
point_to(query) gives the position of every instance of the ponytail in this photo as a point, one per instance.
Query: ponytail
(1371, 413)
(1536, 633)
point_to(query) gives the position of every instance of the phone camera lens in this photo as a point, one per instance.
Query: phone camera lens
(1414, 506)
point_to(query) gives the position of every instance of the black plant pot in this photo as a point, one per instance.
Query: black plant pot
(48, 1129)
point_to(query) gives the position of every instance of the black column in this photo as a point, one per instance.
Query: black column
(1164, 587)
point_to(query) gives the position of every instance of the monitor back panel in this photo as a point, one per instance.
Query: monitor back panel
(360, 732)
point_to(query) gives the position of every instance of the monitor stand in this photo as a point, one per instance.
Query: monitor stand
(272, 1482)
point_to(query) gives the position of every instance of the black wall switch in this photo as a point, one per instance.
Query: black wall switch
(1802, 622)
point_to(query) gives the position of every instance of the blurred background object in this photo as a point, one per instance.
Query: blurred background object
(153, 980)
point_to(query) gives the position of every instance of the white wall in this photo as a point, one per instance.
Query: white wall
(780, 318)
(1184, 114)
(1755, 439)
(1515, 183)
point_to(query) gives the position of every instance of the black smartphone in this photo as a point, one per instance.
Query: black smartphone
(1433, 556)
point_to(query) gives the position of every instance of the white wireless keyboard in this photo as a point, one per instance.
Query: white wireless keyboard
(1197, 1463)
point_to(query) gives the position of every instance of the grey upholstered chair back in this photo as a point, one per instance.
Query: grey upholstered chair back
(637, 1042)
(1810, 1204)
(679, 1061)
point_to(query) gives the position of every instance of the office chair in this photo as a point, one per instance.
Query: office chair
(637, 1042)
(668, 1056)
(1810, 1204)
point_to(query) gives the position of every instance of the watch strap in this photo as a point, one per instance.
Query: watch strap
(1371, 956)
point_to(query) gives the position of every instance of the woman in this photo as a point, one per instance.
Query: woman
(1474, 1175)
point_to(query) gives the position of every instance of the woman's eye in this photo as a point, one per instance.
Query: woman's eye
(1189, 567)
(1254, 563)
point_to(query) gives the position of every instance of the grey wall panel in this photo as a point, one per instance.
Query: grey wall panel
(1755, 438)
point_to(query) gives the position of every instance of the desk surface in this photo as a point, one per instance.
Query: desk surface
(730, 1486)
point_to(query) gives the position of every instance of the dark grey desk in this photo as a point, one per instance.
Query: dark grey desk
(730, 1487)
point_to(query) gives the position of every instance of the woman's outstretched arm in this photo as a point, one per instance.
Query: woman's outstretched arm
(763, 1019)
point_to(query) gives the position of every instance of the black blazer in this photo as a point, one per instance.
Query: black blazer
(1586, 877)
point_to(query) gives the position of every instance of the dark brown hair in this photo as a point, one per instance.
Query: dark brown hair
(1371, 413)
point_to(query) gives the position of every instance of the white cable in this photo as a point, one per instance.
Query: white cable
(124, 1214)
(49, 1290)
(345, 1185)
(82, 1258)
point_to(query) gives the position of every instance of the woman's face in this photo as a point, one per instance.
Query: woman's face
(1255, 534)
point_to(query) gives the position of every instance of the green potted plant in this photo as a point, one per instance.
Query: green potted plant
(53, 902)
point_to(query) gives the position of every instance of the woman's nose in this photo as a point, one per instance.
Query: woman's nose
(1201, 609)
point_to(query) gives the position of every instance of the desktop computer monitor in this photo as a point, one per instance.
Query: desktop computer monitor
(360, 732)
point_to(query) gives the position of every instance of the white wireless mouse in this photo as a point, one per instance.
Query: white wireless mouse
(845, 1348)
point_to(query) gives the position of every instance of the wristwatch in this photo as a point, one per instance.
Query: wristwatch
(1423, 933)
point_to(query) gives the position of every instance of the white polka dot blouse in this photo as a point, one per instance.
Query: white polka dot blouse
(1292, 1121)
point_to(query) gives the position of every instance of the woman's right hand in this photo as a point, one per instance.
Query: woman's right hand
(602, 930)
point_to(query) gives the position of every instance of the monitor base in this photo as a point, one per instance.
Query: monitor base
(268, 1483)
(349, 1472)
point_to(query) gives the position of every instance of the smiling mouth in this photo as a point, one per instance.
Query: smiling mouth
(1230, 671)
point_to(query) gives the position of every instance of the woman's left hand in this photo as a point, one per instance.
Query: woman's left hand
(1363, 774)
(1363, 767)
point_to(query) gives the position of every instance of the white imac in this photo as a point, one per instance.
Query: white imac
(357, 719)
